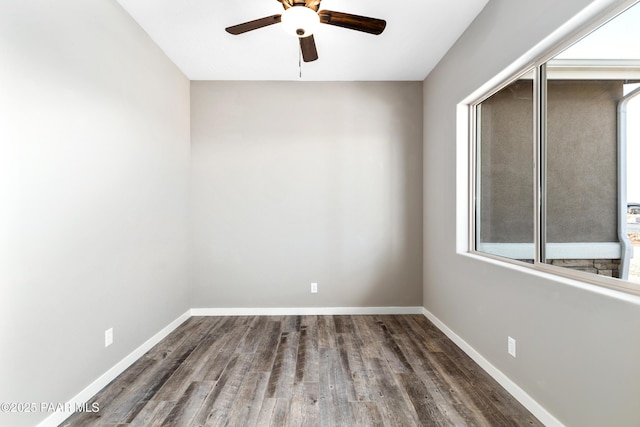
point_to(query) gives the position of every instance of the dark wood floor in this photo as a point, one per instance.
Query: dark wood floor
(305, 371)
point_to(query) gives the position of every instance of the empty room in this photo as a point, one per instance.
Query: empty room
(388, 214)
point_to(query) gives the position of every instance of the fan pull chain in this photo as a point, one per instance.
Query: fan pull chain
(300, 60)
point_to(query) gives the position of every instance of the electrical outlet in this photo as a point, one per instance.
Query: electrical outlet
(314, 288)
(108, 337)
(511, 346)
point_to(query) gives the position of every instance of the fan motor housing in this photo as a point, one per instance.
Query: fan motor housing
(300, 21)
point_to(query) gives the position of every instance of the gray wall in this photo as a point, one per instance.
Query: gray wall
(296, 182)
(578, 347)
(94, 154)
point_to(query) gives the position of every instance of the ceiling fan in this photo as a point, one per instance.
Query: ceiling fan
(301, 17)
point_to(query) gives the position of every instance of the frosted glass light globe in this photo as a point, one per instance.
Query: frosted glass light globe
(300, 21)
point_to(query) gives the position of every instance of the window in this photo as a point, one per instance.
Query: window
(505, 174)
(557, 161)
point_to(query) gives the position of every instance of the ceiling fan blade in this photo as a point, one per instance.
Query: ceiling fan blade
(308, 47)
(253, 25)
(353, 22)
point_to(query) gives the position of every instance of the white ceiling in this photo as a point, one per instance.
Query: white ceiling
(191, 33)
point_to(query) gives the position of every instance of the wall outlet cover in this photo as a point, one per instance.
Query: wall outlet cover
(108, 337)
(511, 346)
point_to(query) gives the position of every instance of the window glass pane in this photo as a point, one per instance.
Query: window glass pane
(633, 182)
(505, 177)
(585, 202)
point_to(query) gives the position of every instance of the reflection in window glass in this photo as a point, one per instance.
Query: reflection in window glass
(505, 202)
(582, 194)
(632, 217)
(585, 186)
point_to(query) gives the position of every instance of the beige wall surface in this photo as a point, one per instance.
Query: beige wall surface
(505, 148)
(297, 182)
(94, 156)
(581, 164)
(578, 346)
(582, 153)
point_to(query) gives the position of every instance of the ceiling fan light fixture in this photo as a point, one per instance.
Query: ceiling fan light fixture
(300, 21)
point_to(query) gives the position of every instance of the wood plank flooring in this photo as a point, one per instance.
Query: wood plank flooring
(305, 371)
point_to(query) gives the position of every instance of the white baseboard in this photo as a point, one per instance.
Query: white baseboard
(58, 417)
(304, 311)
(519, 394)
